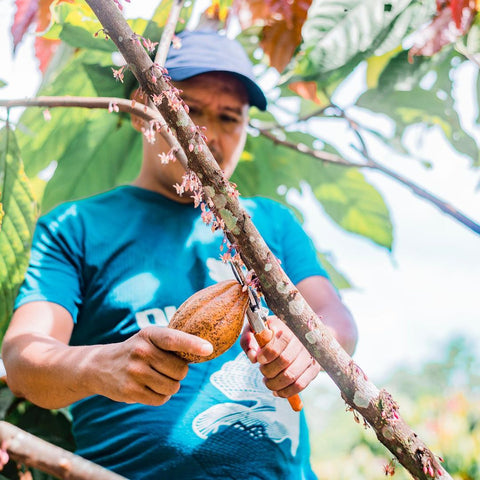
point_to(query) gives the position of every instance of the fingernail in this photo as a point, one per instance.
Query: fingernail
(206, 348)
(252, 355)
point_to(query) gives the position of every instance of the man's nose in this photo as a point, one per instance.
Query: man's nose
(212, 133)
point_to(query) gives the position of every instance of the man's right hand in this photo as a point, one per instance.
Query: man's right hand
(144, 368)
(43, 368)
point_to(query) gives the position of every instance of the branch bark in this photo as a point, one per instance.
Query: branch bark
(377, 407)
(34, 452)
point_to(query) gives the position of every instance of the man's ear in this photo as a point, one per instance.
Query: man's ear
(137, 122)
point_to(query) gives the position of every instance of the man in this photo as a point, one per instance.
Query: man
(108, 272)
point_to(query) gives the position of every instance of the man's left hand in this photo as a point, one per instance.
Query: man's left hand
(287, 366)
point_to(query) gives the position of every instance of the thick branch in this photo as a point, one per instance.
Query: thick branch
(34, 452)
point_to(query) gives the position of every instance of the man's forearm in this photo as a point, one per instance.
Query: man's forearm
(47, 372)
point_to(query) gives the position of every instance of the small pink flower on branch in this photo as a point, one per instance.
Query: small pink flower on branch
(118, 74)
(168, 157)
(176, 42)
(149, 134)
(113, 107)
(157, 99)
(105, 33)
(390, 468)
(149, 45)
(47, 116)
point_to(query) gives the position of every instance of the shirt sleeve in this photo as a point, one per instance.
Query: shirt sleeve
(299, 253)
(54, 272)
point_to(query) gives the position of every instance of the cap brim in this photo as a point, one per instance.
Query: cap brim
(256, 97)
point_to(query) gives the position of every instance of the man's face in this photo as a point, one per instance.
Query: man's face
(218, 101)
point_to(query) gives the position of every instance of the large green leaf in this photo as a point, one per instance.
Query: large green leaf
(105, 153)
(42, 142)
(17, 220)
(343, 192)
(421, 106)
(338, 35)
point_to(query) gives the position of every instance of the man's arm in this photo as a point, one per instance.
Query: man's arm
(287, 366)
(43, 368)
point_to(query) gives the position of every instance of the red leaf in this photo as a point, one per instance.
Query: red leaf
(453, 20)
(44, 50)
(38, 12)
(24, 17)
(282, 31)
(458, 14)
(307, 90)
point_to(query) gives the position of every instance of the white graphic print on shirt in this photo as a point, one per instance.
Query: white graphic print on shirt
(241, 381)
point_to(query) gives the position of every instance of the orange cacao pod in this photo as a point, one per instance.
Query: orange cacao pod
(216, 314)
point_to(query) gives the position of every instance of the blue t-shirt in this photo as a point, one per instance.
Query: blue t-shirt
(127, 259)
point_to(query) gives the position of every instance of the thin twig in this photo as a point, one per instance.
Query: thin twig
(417, 190)
(302, 148)
(149, 114)
(124, 105)
(168, 32)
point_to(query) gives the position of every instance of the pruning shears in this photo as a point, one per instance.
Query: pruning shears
(257, 319)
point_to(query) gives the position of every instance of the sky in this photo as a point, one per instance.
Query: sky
(407, 303)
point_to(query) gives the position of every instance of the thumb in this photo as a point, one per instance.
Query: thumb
(173, 340)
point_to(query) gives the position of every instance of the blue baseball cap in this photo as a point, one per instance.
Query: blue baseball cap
(205, 51)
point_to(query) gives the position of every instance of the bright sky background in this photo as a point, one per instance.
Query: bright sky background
(409, 303)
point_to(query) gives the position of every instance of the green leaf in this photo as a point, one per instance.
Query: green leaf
(338, 279)
(343, 192)
(17, 221)
(50, 138)
(106, 152)
(2, 83)
(338, 35)
(421, 106)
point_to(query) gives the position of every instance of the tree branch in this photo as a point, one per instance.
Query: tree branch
(32, 451)
(147, 113)
(417, 190)
(168, 32)
(150, 114)
(376, 406)
(374, 165)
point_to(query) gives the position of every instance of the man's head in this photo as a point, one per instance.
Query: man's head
(205, 51)
(218, 85)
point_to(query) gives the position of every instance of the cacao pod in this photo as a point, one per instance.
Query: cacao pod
(216, 314)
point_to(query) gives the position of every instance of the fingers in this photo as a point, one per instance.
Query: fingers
(177, 341)
(249, 344)
(287, 366)
(295, 378)
(145, 368)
